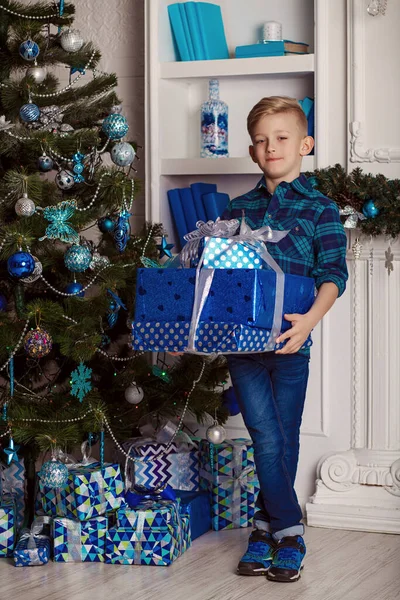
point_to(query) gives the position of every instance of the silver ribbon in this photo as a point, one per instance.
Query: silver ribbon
(353, 216)
(254, 239)
(33, 534)
(73, 539)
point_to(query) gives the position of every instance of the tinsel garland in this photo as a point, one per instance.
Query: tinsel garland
(357, 187)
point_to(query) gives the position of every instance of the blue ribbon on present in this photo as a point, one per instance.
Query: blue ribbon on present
(138, 494)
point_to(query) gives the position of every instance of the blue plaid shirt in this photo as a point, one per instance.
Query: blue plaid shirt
(316, 244)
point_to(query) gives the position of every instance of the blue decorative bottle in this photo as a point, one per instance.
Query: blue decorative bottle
(214, 124)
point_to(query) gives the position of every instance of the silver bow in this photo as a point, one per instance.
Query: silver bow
(225, 229)
(33, 534)
(353, 216)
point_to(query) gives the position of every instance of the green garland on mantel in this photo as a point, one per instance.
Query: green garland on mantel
(353, 190)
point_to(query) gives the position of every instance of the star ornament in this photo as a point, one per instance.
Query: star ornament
(164, 248)
(11, 452)
(81, 381)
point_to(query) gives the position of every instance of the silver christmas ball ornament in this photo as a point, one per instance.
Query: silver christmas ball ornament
(98, 261)
(25, 207)
(71, 40)
(54, 474)
(116, 109)
(38, 74)
(45, 163)
(65, 179)
(122, 154)
(134, 394)
(216, 434)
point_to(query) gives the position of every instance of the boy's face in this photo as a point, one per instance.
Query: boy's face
(278, 148)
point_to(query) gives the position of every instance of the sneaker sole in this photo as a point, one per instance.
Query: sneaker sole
(284, 578)
(251, 572)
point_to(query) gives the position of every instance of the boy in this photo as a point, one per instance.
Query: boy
(271, 386)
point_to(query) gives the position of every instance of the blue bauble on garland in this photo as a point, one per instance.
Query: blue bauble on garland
(21, 264)
(29, 112)
(115, 126)
(77, 258)
(29, 50)
(45, 163)
(370, 210)
(106, 224)
(53, 474)
(3, 303)
(75, 288)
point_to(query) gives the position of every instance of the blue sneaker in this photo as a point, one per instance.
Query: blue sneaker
(288, 556)
(258, 557)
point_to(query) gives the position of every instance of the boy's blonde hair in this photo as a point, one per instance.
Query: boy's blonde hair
(273, 105)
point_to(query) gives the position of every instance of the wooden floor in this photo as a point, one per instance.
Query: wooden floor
(340, 565)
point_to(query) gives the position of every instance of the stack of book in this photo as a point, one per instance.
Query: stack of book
(307, 104)
(198, 31)
(278, 48)
(199, 202)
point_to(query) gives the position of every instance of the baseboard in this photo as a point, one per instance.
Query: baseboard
(356, 518)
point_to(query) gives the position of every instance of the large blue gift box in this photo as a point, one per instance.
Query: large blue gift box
(227, 471)
(79, 541)
(154, 533)
(91, 491)
(156, 464)
(237, 315)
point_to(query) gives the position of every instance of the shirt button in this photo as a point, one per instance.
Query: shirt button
(269, 216)
(296, 228)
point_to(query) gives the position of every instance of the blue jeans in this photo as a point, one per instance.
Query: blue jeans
(271, 390)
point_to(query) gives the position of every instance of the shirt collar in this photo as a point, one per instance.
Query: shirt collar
(301, 185)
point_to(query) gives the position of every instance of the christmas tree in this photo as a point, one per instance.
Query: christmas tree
(68, 257)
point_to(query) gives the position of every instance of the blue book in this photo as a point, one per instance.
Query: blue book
(186, 30)
(278, 48)
(306, 105)
(178, 32)
(198, 47)
(198, 189)
(215, 204)
(212, 30)
(188, 208)
(177, 215)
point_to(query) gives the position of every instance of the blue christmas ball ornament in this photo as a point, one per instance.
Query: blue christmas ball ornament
(29, 112)
(21, 264)
(115, 126)
(75, 288)
(370, 210)
(77, 258)
(53, 474)
(106, 224)
(3, 303)
(45, 163)
(29, 50)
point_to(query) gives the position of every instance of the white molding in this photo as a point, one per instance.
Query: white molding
(235, 165)
(322, 87)
(356, 15)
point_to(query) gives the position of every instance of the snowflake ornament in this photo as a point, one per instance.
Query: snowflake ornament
(80, 381)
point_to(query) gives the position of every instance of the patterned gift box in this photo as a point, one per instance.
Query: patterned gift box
(197, 507)
(13, 482)
(34, 545)
(91, 491)
(178, 466)
(79, 541)
(229, 474)
(7, 525)
(236, 315)
(220, 254)
(154, 533)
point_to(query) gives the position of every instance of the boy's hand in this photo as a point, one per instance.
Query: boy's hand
(301, 327)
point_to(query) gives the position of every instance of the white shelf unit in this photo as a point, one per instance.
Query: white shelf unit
(175, 91)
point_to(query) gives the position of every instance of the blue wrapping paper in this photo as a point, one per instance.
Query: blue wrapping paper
(13, 483)
(197, 507)
(79, 541)
(34, 545)
(154, 533)
(8, 512)
(237, 315)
